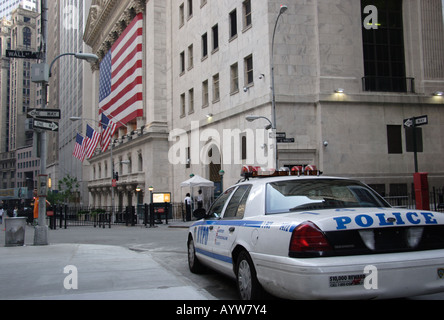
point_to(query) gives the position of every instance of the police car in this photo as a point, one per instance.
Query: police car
(314, 237)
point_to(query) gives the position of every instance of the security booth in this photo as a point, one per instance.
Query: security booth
(162, 207)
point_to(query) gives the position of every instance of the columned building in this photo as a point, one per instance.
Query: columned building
(347, 74)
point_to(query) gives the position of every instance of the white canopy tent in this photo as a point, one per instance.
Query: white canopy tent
(197, 183)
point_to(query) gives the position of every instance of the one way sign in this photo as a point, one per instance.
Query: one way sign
(416, 122)
(44, 113)
(46, 125)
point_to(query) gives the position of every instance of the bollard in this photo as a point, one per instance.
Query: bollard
(15, 232)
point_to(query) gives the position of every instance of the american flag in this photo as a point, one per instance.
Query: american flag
(108, 129)
(121, 90)
(79, 151)
(91, 141)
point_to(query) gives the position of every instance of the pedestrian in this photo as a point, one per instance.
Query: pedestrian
(187, 202)
(1, 215)
(199, 200)
(15, 212)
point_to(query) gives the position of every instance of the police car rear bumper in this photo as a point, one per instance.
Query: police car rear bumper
(356, 277)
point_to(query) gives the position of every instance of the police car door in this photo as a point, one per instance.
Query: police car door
(227, 230)
(205, 232)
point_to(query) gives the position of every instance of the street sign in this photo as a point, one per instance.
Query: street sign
(285, 140)
(22, 54)
(45, 113)
(416, 122)
(281, 135)
(46, 125)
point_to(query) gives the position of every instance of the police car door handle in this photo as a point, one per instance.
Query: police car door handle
(232, 229)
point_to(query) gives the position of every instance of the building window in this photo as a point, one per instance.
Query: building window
(244, 147)
(394, 139)
(190, 57)
(182, 62)
(233, 24)
(234, 73)
(204, 46)
(181, 15)
(249, 78)
(190, 8)
(384, 58)
(182, 105)
(191, 100)
(27, 35)
(247, 13)
(216, 89)
(205, 99)
(215, 32)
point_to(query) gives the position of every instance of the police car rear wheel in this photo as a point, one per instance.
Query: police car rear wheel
(193, 262)
(247, 284)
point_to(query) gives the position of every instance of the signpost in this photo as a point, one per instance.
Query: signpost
(45, 113)
(416, 122)
(413, 123)
(46, 125)
(285, 140)
(281, 137)
(23, 54)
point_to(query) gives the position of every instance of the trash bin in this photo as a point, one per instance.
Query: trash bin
(15, 232)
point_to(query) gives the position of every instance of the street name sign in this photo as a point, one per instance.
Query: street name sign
(416, 121)
(285, 140)
(22, 54)
(45, 113)
(46, 125)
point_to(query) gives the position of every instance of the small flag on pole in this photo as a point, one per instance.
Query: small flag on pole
(108, 130)
(91, 141)
(79, 150)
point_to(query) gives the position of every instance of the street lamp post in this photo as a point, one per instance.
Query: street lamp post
(282, 10)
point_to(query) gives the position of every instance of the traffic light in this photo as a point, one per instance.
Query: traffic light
(116, 176)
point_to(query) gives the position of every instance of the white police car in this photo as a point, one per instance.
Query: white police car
(314, 237)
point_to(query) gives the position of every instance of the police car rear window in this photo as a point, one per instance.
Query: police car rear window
(319, 194)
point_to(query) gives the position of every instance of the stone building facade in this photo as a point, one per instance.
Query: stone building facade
(347, 73)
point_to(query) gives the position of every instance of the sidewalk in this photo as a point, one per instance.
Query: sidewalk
(105, 272)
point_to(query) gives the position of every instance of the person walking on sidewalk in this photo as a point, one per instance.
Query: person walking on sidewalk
(1, 215)
(187, 201)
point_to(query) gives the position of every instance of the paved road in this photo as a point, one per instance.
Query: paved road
(165, 244)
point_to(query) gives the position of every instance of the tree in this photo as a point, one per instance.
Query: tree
(68, 191)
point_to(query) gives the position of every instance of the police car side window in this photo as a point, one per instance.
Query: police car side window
(236, 207)
(216, 209)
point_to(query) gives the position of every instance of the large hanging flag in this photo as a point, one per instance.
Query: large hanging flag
(91, 141)
(79, 150)
(121, 90)
(108, 130)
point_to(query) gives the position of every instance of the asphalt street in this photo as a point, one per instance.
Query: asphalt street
(124, 263)
(160, 253)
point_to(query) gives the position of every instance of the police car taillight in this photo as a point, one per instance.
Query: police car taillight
(307, 238)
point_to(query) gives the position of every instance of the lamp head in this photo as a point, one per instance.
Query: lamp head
(251, 118)
(283, 9)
